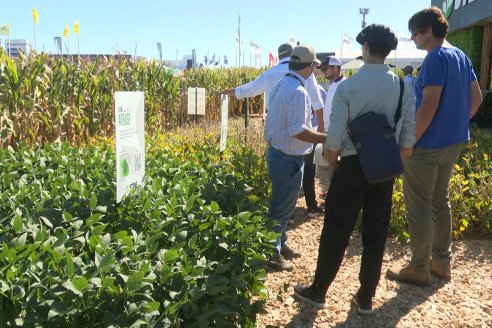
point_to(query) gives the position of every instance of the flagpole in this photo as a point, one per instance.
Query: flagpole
(239, 37)
(341, 48)
(250, 41)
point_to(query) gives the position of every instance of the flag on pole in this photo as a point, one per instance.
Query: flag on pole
(76, 27)
(65, 31)
(159, 50)
(347, 39)
(212, 60)
(225, 60)
(271, 59)
(58, 44)
(35, 15)
(292, 40)
(5, 29)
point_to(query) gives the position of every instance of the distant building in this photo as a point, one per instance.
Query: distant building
(14, 47)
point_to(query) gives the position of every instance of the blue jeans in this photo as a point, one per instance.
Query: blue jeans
(285, 172)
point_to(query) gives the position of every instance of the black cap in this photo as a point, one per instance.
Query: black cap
(407, 69)
(378, 33)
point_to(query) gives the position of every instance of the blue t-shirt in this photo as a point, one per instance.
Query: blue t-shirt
(451, 69)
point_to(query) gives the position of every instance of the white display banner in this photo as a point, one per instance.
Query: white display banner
(196, 101)
(130, 141)
(223, 126)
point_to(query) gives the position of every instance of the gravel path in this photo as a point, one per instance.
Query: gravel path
(466, 301)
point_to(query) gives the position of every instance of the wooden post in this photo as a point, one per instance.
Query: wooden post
(196, 105)
(246, 121)
(485, 62)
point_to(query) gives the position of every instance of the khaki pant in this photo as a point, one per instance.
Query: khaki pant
(426, 183)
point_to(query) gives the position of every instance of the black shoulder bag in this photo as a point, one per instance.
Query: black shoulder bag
(377, 149)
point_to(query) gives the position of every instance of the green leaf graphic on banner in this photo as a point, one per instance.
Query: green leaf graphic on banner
(125, 168)
(450, 8)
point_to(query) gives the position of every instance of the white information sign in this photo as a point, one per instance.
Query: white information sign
(130, 141)
(196, 101)
(223, 126)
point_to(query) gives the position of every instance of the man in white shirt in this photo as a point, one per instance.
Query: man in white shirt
(331, 67)
(408, 77)
(267, 80)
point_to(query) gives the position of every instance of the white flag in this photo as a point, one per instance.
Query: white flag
(347, 39)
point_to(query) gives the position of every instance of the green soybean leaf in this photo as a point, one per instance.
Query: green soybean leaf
(70, 266)
(135, 281)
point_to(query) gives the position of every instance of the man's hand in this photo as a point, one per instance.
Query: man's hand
(331, 157)
(228, 92)
(405, 152)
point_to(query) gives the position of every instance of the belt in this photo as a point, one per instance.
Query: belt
(277, 150)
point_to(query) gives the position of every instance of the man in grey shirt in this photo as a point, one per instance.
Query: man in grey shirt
(374, 88)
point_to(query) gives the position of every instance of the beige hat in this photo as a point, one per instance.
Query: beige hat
(304, 54)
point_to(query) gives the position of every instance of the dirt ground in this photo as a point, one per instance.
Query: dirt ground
(466, 301)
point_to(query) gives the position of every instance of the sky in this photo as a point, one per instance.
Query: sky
(209, 27)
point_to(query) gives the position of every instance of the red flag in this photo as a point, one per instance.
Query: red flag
(271, 59)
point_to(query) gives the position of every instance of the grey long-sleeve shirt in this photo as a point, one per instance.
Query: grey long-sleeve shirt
(374, 88)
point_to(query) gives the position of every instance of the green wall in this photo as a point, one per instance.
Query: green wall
(470, 41)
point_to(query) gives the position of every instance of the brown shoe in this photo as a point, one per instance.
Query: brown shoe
(278, 263)
(289, 253)
(441, 271)
(410, 275)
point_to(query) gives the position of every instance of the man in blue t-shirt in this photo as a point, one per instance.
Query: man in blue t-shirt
(447, 97)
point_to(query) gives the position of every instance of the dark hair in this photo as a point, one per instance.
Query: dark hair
(429, 17)
(298, 66)
(379, 49)
(284, 55)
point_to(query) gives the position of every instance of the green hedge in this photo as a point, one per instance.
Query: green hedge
(470, 41)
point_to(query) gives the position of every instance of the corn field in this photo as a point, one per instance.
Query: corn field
(47, 99)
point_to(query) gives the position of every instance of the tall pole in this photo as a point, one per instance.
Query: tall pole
(176, 60)
(364, 12)
(239, 36)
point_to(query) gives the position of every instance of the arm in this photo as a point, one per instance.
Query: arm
(312, 88)
(405, 152)
(331, 156)
(229, 92)
(406, 137)
(427, 109)
(321, 121)
(476, 98)
(311, 136)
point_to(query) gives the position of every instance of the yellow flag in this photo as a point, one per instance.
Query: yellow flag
(35, 15)
(5, 29)
(76, 27)
(65, 31)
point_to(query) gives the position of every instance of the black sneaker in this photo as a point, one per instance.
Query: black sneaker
(364, 306)
(306, 294)
(313, 212)
(289, 253)
(278, 263)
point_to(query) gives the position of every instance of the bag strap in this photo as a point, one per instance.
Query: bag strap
(295, 77)
(398, 109)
